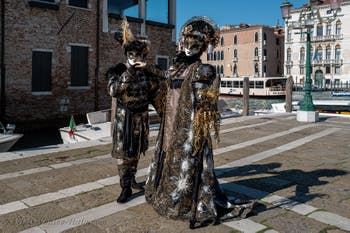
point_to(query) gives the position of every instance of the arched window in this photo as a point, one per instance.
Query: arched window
(222, 69)
(265, 70)
(218, 55)
(319, 53)
(302, 54)
(217, 69)
(328, 52)
(256, 68)
(214, 56)
(256, 52)
(208, 57)
(222, 41)
(222, 55)
(337, 52)
(265, 38)
(256, 37)
(235, 53)
(235, 39)
(289, 54)
(235, 69)
(338, 28)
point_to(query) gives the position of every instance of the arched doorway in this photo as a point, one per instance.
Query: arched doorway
(319, 78)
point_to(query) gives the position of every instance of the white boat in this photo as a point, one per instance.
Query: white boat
(98, 127)
(258, 87)
(7, 137)
(99, 124)
(324, 107)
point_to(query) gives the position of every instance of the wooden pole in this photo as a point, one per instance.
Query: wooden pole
(245, 96)
(289, 89)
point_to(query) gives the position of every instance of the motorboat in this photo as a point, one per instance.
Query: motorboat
(7, 137)
(98, 126)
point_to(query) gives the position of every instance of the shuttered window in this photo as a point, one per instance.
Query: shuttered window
(79, 66)
(41, 71)
(78, 3)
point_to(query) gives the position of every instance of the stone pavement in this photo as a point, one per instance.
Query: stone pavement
(298, 172)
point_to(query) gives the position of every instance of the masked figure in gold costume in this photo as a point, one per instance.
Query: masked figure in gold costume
(182, 183)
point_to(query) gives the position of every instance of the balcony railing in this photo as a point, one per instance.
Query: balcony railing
(328, 62)
(256, 58)
(235, 59)
(327, 38)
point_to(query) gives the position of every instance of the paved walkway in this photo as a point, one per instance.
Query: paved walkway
(298, 172)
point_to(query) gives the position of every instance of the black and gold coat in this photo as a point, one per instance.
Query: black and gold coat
(190, 111)
(133, 90)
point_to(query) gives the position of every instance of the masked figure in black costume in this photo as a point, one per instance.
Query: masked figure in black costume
(134, 90)
(182, 183)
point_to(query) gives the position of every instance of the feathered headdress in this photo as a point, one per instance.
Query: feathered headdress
(127, 40)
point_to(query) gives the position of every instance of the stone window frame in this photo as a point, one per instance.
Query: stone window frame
(89, 6)
(40, 93)
(69, 50)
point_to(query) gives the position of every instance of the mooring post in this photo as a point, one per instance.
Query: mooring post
(245, 96)
(289, 90)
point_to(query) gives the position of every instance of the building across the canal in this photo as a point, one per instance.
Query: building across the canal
(330, 42)
(54, 53)
(248, 50)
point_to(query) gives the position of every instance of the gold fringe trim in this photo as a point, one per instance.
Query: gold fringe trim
(206, 119)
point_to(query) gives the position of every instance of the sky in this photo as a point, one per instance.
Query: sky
(223, 12)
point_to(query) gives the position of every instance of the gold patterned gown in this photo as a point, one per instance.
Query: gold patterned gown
(182, 183)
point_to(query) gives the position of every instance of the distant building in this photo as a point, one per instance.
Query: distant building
(330, 42)
(55, 52)
(248, 50)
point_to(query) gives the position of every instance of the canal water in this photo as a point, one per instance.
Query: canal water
(52, 136)
(265, 103)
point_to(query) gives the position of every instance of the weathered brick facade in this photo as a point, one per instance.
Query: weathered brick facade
(29, 28)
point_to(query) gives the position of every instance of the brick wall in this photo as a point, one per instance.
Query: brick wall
(29, 28)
